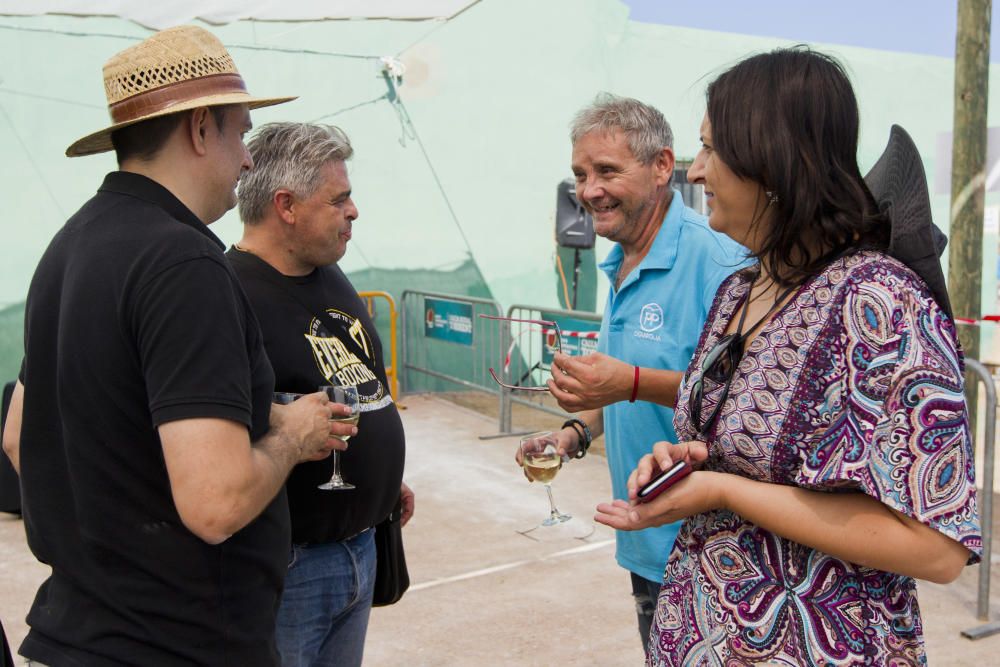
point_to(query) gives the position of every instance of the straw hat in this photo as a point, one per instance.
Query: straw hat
(174, 70)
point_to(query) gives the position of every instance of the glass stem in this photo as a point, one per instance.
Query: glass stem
(552, 503)
(336, 464)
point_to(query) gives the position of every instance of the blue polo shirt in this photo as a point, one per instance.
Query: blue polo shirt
(654, 320)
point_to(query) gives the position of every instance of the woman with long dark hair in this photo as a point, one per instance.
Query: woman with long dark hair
(823, 409)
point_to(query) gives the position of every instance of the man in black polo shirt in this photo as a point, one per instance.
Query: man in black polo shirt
(297, 212)
(151, 461)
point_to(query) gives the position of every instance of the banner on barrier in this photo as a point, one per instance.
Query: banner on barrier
(448, 320)
(579, 337)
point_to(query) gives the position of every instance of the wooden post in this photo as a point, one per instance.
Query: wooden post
(968, 175)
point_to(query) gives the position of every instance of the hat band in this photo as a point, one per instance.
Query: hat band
(153, 101)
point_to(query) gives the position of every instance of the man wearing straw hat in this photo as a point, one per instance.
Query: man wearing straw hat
(151, 460)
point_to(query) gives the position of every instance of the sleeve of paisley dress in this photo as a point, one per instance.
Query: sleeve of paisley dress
(898, 427)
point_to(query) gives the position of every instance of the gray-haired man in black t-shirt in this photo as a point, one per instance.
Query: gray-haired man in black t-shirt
(298, 214)
(152, 464)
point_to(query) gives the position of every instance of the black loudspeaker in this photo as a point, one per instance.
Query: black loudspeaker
(574, 226)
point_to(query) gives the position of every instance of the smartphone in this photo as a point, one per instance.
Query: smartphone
(664, 481)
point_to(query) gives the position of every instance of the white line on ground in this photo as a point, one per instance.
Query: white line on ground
(592, 546)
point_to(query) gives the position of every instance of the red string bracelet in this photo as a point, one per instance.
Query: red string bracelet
(635, 386)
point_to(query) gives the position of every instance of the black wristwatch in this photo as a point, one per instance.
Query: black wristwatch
(583, 431)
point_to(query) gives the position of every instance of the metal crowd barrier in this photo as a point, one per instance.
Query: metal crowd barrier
(986, 507)
(446, 344)
(391, 370)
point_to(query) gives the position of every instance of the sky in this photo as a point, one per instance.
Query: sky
(914, 26)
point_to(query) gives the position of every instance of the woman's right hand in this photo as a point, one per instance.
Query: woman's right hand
(665, 454)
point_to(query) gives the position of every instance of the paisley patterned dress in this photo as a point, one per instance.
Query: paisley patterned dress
(855, 385)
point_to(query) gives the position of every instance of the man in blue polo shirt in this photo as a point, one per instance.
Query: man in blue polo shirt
(664, 270)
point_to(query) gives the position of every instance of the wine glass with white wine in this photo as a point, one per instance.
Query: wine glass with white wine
(541, 462)
(345, 395)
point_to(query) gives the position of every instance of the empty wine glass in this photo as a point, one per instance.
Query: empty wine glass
(541, 462)
(345, 395)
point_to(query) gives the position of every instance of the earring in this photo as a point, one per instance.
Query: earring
(772, 196)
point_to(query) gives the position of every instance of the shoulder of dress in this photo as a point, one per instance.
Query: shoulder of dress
(874, 286)
(878, 270)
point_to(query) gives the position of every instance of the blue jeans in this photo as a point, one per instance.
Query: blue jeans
(645, 593)
(323, 617)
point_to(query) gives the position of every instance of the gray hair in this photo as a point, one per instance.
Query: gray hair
(289, 156)
(645, 128)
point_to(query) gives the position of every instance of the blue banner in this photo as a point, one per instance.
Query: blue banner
(448, 320)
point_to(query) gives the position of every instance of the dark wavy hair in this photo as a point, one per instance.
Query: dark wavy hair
(788, 120)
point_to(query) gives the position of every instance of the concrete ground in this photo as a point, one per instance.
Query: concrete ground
(484, 594)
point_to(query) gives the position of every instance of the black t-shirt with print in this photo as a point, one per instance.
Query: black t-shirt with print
(305, 355)
(134, 318)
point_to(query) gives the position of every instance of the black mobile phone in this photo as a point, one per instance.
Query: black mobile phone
(664, 481)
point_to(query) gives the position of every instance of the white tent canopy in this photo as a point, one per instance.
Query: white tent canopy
(160, 15)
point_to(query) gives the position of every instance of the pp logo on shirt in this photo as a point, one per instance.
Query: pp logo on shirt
(650, 320)
(651, 317)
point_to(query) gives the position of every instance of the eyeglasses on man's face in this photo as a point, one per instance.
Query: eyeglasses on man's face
(523, 331)
(719, 367)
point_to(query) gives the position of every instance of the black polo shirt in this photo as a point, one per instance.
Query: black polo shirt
(134, 319)
(306, 354)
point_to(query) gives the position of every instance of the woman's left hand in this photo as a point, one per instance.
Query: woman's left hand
(697, 493)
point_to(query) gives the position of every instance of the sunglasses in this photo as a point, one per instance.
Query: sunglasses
(719, 367)
(552, 337)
